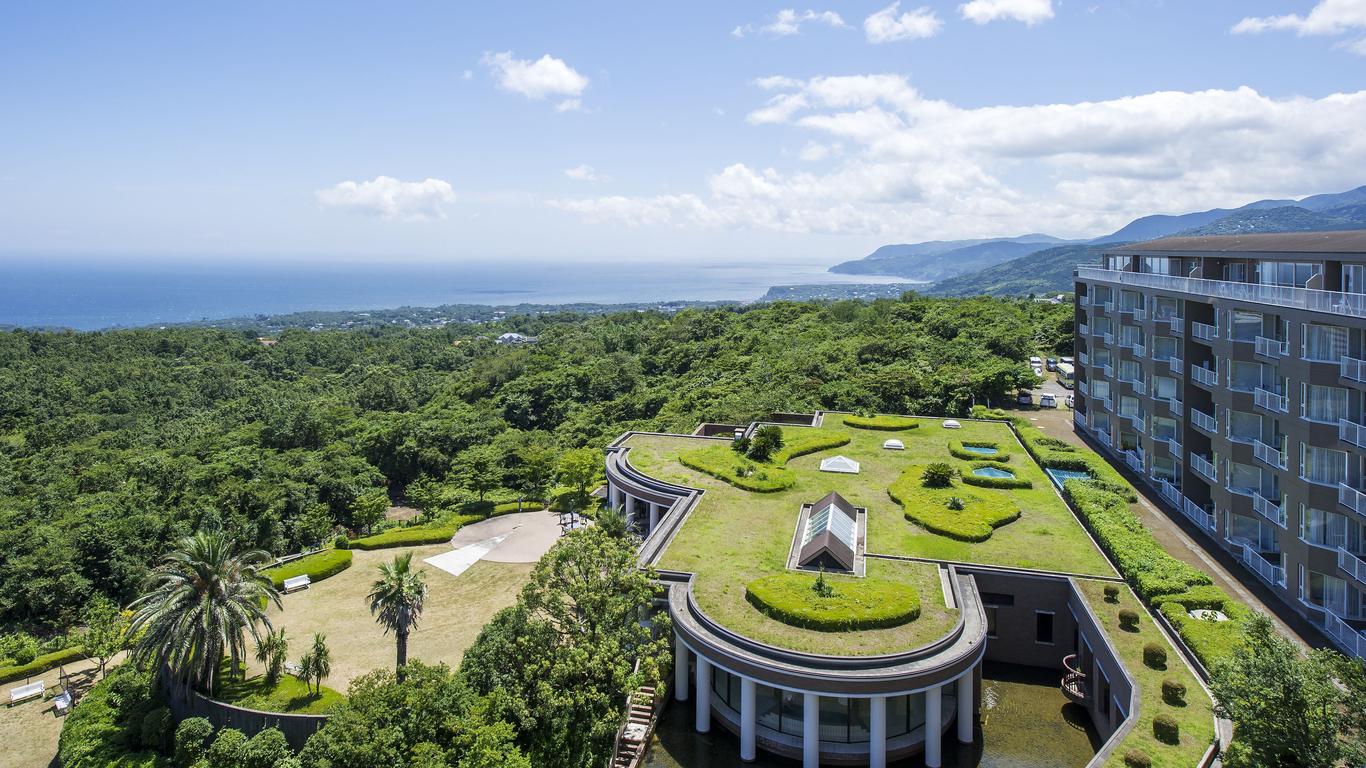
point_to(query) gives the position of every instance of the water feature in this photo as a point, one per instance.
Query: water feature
(982, 449)
(1060, 476)
(1026, 723)
(992, 472)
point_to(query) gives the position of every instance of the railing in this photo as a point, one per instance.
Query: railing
(1351, 498)
(1082, 387)
(1103, 438)
(1139, 386)
(1137, 419)
(1169, 492)
(1134, 460)
(1140, 314)
(1265, 398)
(1352, 564)
(1083, 358)
(1108, 371)
(1084, 329)
(1204, 467)
(1079, 418)
(1074, 682)
(1174, 446)
(1176, 365)
(1140, 350)
(1350, 304)
(1272, 574)
(1204, 421)
(1351, 432)
(1207, 376)
(1346, 636)
(1353, 369)
(1268, 454)
(1198, 514)
(1108, 306)
(1178, 326)
(1204, 331)
(1270, 347)
(1108, 338)
(1269, 509)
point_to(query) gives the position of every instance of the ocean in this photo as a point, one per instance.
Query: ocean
(95, 294)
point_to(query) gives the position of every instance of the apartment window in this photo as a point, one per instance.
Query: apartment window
(1323, 342)
(1157, 265)
(1166, 308)
(1128, 406)
(1244, 477)
(1165, 469)
(1164, 347)
(1354, 278)
(1117, 262)
(1100, 389)
(1164, 428)
(1327, 592)
(1326, 404)
(1329, 529)
(1129, 370)
(1165, 387)
(1043, 627)
(1102, 324)
(1130, 300)
(1130, 334)
(1244, 376)
(1244, 426)
(1261, 535)
(1247, 326)
(1323, 465)
(1295, 274)
(1236, 272)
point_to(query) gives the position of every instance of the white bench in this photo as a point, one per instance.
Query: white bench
(26, 692)
(293, 668)
(298, 582)
(62, 703)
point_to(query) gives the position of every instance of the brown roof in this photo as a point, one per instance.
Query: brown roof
(826, 547)
(1345, 241)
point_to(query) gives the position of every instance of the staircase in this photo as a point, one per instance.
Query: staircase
(642, 713)
(1074, 682)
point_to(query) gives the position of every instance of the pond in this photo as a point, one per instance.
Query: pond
(982, 449)
(1022, 709)
(1060, 476)
(992, 472)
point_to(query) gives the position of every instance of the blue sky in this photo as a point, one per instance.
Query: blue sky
(650, 131)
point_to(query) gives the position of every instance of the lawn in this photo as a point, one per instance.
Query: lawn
(289, 694)
(735, 536)
(1196, 717)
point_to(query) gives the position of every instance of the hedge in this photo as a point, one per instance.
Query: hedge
(721, 462)
(881, 423)
(800, 442)
(1052, 453)
(1139, 556)
(1004, 483)
(928, 508)
(316, 566)
(959, 450)
(1209, 640)
(416, 535)
(42, 664)
(855, 603)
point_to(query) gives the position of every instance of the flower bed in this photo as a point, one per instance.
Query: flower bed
(852, 605)
(929, 508)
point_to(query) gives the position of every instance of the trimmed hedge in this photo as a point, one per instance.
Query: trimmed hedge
(855, 603)
(1052, 453)
(881, 423)
(1166, 729)
(42, 664)
(416, 535)
(1004, 483)
(928, 508)
(958, 449)
(800, 442)
(1209, 640)
(316, 566)
(720, 462)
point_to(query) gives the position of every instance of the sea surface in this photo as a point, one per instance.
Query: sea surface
(105, 293)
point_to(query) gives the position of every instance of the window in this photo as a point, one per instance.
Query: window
(1166, 308)
(1101, 325)
(1322, 465)
(1130, 300)
(1244, 427)
(1327, 591)
(793, 713)
(1326, 404)
(1043, 627)
(1323, 342)
(1354, 278)
(1247, 326)
(1164, 348)
(1165, 468)
(1129, 370)
(1128, 406)
(1329, 529)
(1244, 477)
(1130, 335)
(1158, 265)
(768, 704)
(1164, 428)
(1165, 388)
(1235, 272)
(1100, 389)
(1244, 376)
(1295, 274)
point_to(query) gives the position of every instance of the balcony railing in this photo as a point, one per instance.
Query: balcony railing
(1270, 573)
(1204, 467)
(1134, 460)
(1103, 437)
(1176, 365)
(1079, 418)
(1108, 339)
(1139, 386)
(1352, 432)
(1108, 371)
(1082, 387)
(1204, 421)
(1170, 492)
(1269, 509)
(1084, 329)
(1353, 369)
(1108, 306)
(1138, 420)
(1178, 326)
(1268, 454)
(1174, 445)
(1352, 564)
(1351, 498)
(1345, 635)
(1083, 358)
(1268, 400)
(1207, 376)
(1349, 304)
(1271, 348)
(1198, 515)
(1204, 331)
(1140, 350)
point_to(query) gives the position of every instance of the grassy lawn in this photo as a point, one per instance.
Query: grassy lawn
(1196, 717)
(289, 694)
(735, 536)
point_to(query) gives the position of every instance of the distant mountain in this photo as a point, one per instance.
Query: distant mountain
(1287, 218)
(1324, 202)
(940, 259)
(1042, 272)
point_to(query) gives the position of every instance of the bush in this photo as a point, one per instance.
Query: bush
(1166, 729)
(766, 442)
(191, 736)
(937, 475)
(316, 567)
(1210, 641)
(341, 542)
(1174, 692)
(929, 508)
(265, 749)
(41, 664)
(1135, 759)
(416, 535)
(806, 441)
(720, 463)
(1003, 483)
(959, 450)
(853, 603)
(1155, 656)
(95, 734)
(1128, 619)
(881, 423)
(1111, 593)
(227, 750)
(156, 729)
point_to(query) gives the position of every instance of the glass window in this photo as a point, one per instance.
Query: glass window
(1324, 342)
(1165, 468)
(1157, 265)
(1295, 274)
(860, 718)
(1043, 627)
(1101, 324)
(1128, 406)
(1320, 403)
(1164, 348)
(1244, 477)
(1100, 389)
(898, 717)
(1354, 278)
(1164, 428)
(768, 702)
(1129, 370)
(1327, 529)
(1323, 465)
(1166, 308)
(834, 718)
(1244, 375)
(1247, 326)
(1165, 387)
(1245, 426)
(793, 713)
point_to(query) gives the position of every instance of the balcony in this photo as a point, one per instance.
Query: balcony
(1253, 560)
(1139, 421)
(1269, 509)
(1351, 432)
(1108, 306)
(1351, 498)
(1082, 388)
(1354, 369)
(1173, 445)
(1108, 339)
(1139, 387)
(1084, 329)
(1204, 467)
(1139, 350)
(1169, 492)
(1079, 419)
(1344, 634)
(1176, 365)
(1083, 358)
(1178, 326)
(1207, 376)
(1134, 459)
(1205, 421)
(1332, 302)
(1352, 564)
(1271, 348)
(1204, 331)
(1108, 371)
(1270, 401)
(1268, 454)
(1198, 514)
(1103, 437)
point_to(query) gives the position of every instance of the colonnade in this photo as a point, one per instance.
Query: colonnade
(650, 511)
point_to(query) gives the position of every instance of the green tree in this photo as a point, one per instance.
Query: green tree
(766, 442)
(534, 472)
(579, 469)
(1288, 708)
(478, 469)
(612, 522)
(200, 605)
(369, 508)
(316, 665)
(396, 601)
(272, 649)
(106, 629)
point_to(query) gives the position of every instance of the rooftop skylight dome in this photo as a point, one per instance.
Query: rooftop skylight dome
(829, 539)
(842, 464)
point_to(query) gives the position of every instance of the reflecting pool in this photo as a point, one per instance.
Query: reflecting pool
(1060, 476)
(982, 449)
(992, 472)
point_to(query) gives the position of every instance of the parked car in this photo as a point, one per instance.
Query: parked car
(1067, 360)
(1036, 361)
(1071, 402)
(1025, 397)
(1038, 371)
(1048, 401)
(1052, 364)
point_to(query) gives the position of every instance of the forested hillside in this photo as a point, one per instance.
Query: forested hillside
(111, 444)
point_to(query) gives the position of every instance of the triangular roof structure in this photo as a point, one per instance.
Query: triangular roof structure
(829, 539)
(840, 464)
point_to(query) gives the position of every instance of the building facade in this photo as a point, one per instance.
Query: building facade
(1230, 373)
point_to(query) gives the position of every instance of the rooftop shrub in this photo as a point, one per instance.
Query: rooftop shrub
(852, 604)
(438, 532)
(959, 450)
(1128, 619)
(937, 475)
(929, 507)
(984, 481)
(1174, 692)
(1166, 729)
(721, 463)
(1155, 656)
(882, 423)
(1136, 759)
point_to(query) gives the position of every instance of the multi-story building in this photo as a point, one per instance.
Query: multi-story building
(1230, 373)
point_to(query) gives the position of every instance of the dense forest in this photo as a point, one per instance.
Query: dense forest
(113, 444)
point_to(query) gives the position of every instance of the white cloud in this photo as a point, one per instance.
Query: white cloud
(1358, 47)
(789, 21)
(582, 173)
(1030, 12)
(544, 77)
(916, 167)
(886, 26)
(1329, 17)
(570, 105)
(467, 75)
(390, 198)
(814, 152)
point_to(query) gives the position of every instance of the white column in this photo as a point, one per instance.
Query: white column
(966, 691)
(703, 694)
(613, 496)
(811, 731)
(747, 724)
(933, 728)
(630, 507)
(680, 668)
(877, 733)
(654, 516)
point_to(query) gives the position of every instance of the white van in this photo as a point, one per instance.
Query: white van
(1047, 401)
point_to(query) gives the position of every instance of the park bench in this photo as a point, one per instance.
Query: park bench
(61, 704)
(26, 692)
(297, 582)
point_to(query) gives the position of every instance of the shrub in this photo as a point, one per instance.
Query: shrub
(265, 749)
(190, 738)
(1166, 729)
(1111, 593)
(416, 535)
(881, 423)
(41, 664)
(341, 542)
(1210, 641)
(928, 508)
(95, 734)
(959, 450)
(740, 445)
(1128, 619)
(156, 729)
(954, 503)
(766, 442)
(937, 475)
(720, 463)
(1174, 692)
(852, 604)
(1155, 656)
(1135, 759)
(317, 566)
(227, 750)
(802, 442)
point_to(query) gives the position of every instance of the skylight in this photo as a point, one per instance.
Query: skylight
(832, 519)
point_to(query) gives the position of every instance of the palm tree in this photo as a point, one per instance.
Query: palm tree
(396, 600)
(199, 605)
(316, 665)
(271, 651)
